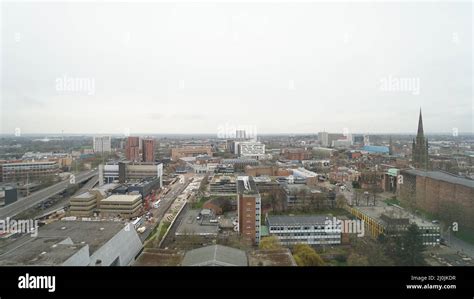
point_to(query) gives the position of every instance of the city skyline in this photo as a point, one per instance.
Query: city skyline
(331, 137)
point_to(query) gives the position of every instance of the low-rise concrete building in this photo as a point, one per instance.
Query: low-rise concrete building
(307, 229)
(86, 204)
(75, 243)
(125, 206)
(223, 185)
(83, 204)
(391, 220)
(28, 171)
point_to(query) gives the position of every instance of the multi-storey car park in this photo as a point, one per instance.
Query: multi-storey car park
(28, 171)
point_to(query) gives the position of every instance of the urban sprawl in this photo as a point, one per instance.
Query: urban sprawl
(238, 199)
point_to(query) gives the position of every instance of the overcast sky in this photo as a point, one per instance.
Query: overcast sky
(193, 68)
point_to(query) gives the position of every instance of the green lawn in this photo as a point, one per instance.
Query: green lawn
(392, 201)
(163, 229)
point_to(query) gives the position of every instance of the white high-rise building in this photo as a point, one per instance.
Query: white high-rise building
(323, 138)
(251, 149)
(366, 140)
(102, 144)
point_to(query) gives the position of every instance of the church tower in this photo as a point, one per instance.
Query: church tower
(420, 147)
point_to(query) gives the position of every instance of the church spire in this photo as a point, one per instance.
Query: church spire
(420, 125)
(420, 147)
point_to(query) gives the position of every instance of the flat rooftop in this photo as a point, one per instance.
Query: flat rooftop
(222, 179)
(92, 233)
(277, 257)
(190, 225)
(239, 160)
(392, 211)
(262, 179)
(85, 195)
(442, 176)
(297, 220)
(159, 257)
(125, 198)
(246, 185)
(302, 187)
(41, 251)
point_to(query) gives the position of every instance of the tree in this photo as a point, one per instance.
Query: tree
(304, 255)
(411, 247)
(341, 201)
(203, 185)
(405, 249)
(270, 243)
(355, 185)
(318, 200)
(277, 199)
(373, 250)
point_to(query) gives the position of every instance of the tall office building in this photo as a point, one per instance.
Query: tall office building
(327, 139)
(249, 209)
(420, 147)
(132, 149)
(102, 144)
(323, 138)
(148, 150)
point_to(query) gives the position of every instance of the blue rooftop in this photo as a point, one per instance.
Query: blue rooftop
(376, 149)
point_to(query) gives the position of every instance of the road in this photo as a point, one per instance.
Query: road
(35, 198)
(458, 244)
(165, 204)
(66, 201)
(89, 185)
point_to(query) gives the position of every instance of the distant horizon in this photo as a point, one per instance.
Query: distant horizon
(59, 135)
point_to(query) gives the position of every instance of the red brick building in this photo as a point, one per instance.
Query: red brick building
(219, 205)
(132, 149)
(249, 210)
(148, 148)
(296, 154)
(439, 193)
(266, 170)
(190, 151)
